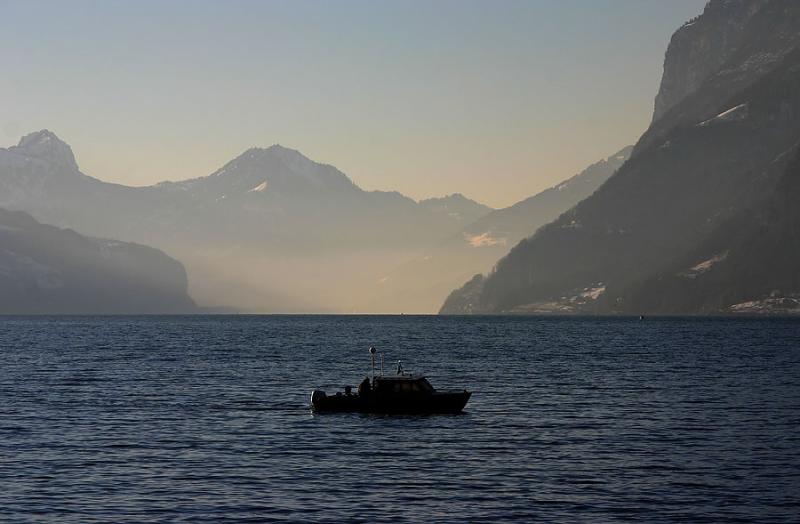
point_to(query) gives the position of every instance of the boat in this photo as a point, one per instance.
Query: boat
(402, 393)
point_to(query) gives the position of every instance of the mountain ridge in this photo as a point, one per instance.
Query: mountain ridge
(321, 236)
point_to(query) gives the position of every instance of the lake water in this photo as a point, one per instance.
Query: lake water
(206, 419)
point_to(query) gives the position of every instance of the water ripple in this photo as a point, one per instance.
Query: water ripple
(206, 420)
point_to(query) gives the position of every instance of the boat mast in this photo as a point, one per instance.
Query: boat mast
(372, 358)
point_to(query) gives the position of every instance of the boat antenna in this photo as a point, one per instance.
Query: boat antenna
(372, 351)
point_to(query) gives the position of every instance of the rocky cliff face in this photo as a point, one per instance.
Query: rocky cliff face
(700, 47)
(757, 35)
(708, 159)
(46, 146)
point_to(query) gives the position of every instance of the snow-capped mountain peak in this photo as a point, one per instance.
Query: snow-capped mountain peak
(282, 168)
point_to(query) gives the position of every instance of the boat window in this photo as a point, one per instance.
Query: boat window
(397, 388)
(424, 385)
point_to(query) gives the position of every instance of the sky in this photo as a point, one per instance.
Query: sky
(493, 99)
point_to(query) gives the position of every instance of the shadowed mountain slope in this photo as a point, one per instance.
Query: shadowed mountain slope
(709, 157)
(44, 269)
(749, 264)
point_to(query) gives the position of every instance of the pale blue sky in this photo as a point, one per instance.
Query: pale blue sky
(496, 100)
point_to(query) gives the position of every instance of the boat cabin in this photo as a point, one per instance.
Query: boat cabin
(402, 384)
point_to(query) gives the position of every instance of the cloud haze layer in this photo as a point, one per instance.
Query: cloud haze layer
(425, 98)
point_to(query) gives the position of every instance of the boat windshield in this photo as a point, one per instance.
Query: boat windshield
(412, 386)
(424, 385)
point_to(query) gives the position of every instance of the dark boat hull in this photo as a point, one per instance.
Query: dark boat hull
(436, 403)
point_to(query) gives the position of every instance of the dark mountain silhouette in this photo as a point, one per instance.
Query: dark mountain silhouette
(717, 148)
(44, 269)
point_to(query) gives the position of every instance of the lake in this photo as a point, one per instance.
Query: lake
(206, 419)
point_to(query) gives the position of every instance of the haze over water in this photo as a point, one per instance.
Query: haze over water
(206, 419)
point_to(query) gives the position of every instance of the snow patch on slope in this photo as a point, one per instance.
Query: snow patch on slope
(484, 240)
(704, 266)
(593, 293)
(574, 302)
(260, 188)
(734, 114)
(784, 305)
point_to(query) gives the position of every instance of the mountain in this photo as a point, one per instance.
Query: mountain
(726, 125)
(457, 207)
(273, 231)
(421, 284)
(270, 231)
(273, 194)
(44, 269)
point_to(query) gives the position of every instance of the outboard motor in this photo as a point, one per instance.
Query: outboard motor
(317, 396)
